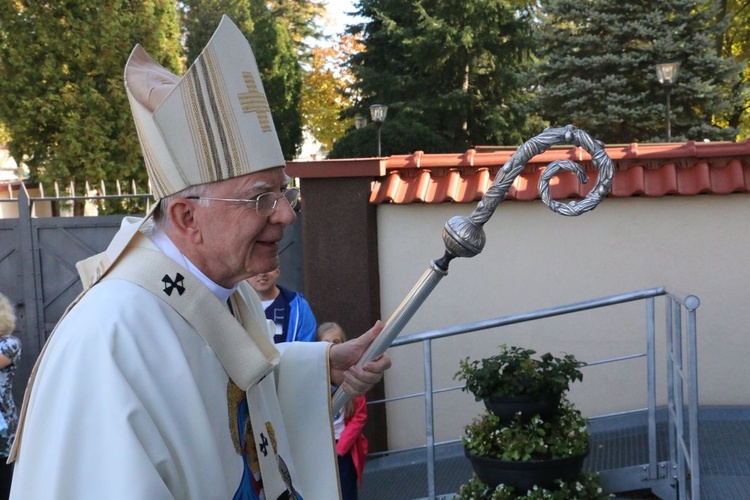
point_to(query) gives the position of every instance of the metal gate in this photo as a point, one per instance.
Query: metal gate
(38, 273)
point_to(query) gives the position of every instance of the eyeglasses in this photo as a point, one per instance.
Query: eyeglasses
(265, 203)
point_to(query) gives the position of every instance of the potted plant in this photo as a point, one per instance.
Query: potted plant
(526, 454)
(586, 486)
(513, 381)
(532, 439)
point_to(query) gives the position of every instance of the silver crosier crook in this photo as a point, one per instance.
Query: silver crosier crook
(464, 236)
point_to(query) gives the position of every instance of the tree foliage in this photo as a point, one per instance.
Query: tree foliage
(301, 18)
(734, 16)
(454, 74)
(451, 66)
(64, 104)
(326, 93)
(281, 73)
(4, 136)
(398, 137)
(200, 18)
(598, 69)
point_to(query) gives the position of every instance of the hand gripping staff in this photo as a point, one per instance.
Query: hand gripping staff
(464, 237)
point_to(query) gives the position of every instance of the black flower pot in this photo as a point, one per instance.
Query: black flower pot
(523, 476)
(506, 407)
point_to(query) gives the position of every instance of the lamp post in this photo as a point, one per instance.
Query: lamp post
(377, 113)
(360, 122)
(667, 73)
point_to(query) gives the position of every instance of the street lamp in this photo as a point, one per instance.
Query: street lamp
(377, 113)
(360, 121)
(667, 74)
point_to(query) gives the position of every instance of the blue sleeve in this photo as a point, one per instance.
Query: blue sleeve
(307, 326)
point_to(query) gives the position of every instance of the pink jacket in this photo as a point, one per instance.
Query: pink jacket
(352, 438)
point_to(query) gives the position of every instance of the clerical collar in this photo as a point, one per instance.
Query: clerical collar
(168, 248)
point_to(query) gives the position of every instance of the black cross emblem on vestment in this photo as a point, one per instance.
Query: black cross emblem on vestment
(170, 285)
(263, 444)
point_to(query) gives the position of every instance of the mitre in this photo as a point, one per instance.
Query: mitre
(211, 124)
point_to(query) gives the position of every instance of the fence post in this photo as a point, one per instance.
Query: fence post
(429, 418)
(29, 273)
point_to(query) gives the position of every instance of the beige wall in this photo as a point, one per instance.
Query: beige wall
(535, 259)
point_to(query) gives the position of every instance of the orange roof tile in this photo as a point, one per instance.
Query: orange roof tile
(651, 170)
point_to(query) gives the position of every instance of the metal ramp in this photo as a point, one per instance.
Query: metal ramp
(644, 449)
(619, 443)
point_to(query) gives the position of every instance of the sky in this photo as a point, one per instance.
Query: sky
(336, 12)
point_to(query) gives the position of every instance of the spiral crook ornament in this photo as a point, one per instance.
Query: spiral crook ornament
(464, 236)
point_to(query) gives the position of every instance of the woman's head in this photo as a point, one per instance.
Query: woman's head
(7, 316)
(331, 332)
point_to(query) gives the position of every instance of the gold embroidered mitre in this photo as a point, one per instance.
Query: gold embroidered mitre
(212, 124)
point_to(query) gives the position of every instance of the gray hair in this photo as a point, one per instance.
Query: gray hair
(161, 219)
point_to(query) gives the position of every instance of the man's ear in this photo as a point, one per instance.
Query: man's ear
(181, 213)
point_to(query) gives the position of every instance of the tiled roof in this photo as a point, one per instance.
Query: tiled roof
(651, 170)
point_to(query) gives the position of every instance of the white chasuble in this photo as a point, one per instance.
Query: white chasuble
(131, 397)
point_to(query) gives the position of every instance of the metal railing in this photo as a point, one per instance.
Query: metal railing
(680, 477)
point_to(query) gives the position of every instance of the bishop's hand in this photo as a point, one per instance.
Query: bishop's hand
(357, 380)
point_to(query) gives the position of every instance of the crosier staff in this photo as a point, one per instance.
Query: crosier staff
(464, 236)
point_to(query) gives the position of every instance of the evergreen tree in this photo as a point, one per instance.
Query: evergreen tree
(201, 17)
(451, 66)
(398, 137)
(598, 69)
(734, 16)
(281, 73)
(64, 104)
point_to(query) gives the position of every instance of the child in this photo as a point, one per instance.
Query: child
(351, 444)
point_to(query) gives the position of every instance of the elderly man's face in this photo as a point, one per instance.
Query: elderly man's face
(237, 242)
